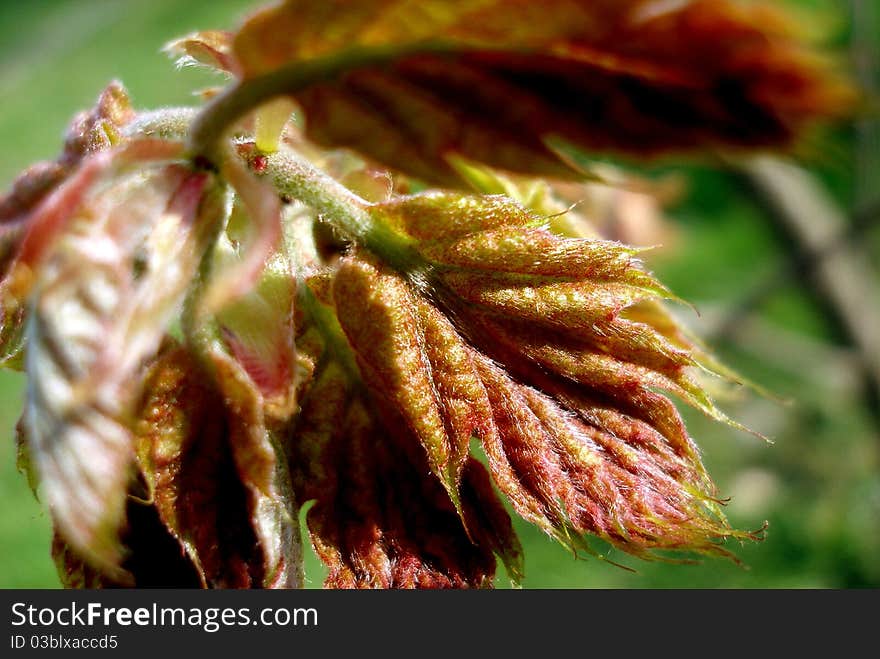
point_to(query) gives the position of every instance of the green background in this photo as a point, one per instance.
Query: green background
(817, 484)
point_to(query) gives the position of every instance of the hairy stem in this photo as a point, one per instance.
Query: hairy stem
(296, 178)
(215, 120)
(164, 124)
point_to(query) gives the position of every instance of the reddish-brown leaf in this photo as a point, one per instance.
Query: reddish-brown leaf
(567, 348)
(213, 475)
(380, 518)
(411, 356)
(414, 82)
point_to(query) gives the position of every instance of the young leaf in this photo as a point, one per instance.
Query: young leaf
(380, 518)
(39, 203)
(263, 207)
(412, 83)
(539, 361)
(411, 356)
(258, 327)
(214, 476)
(210, 48)
(102, 300)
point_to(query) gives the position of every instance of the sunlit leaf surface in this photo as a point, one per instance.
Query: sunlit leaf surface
(416, 82)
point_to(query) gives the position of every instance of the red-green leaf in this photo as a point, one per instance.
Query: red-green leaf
(411, 83)
(553, 354)
(103, 296)
(214, 475)
(41, 200)
(381, 518)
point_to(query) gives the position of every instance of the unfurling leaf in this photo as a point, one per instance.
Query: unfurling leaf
(102, 299)
(256, 243)
(584, 467)
(211, 48)
(380, 518)
(37, 206)
(258, 326)
(411, 83)
(410, 355)
(214, 475)
(524, 343)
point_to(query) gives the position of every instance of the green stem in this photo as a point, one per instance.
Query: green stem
(215, 120)
(164, 124)
(296, 178)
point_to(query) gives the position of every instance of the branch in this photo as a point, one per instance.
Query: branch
(865, 44)
(842, 276)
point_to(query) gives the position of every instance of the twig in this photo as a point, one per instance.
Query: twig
(841, 275)
(795, 266)
(865, 47)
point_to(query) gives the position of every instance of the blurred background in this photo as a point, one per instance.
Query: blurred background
(787, 294)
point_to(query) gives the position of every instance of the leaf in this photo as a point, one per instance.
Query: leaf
(589, 469)
(184, 455)
(263, 207)
(258, 326)
(263, 471)
(412, 84)
(579, 442)
(555, 350)
(380, 518)
(40, 202)
(214, 476)
(377, 520)
(411, 356)
(102, 299)
(211, 48)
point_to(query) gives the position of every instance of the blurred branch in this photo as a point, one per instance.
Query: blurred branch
(794, 266)
(831, 369)
(839, 272)
(865, 53)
